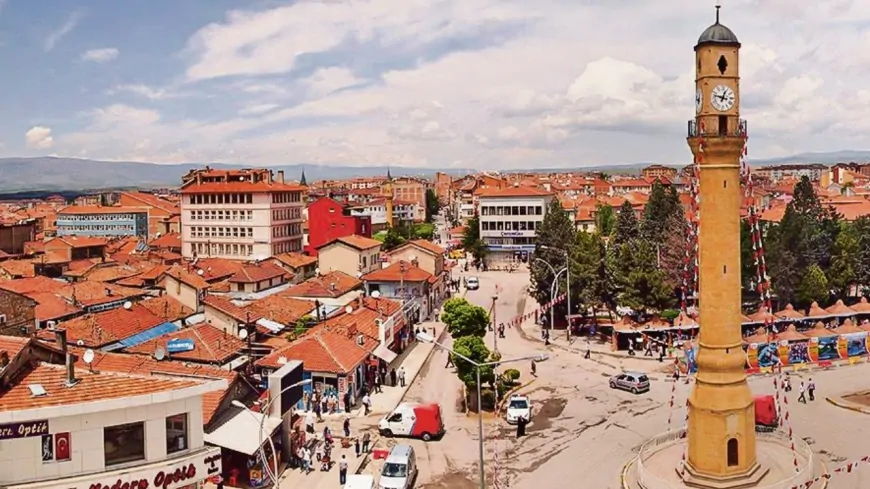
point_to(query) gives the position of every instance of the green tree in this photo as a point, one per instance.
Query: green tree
(643, 285)
(424, 230)
(605, 219)
(862, 231)
(656, 214)
(471, 241)
(393, 239)
(813, 286)
(748, 275)
(432, 204)
(627, 228)
(845, 264)
(464, 319)
(473, 348)
(556, 233)
(671, 252)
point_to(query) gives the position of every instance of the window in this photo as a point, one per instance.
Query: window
(176, 433)
(732, 452)
(124, 443)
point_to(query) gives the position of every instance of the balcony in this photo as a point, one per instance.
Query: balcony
(719, 128)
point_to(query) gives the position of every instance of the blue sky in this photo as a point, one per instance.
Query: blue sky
(427, 83)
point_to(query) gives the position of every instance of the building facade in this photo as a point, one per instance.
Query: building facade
(17, 314)
(240, 214)
(353, 255)
(659, 171)
(328, 219)
(14, 235)
(163, 216)
(103, 221)
(509, 220)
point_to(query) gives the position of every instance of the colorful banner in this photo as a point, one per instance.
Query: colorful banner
(853, 345)
(798, 352)
(828, 348)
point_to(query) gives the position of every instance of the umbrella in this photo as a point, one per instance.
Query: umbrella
(840, 309)
(817, 312)
(789, 313)
(820, 331)
(862, 307)
(790, 334)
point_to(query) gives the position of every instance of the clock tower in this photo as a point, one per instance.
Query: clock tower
(721, 426)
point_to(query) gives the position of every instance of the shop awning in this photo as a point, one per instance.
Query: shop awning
(240, 432)
(385, 353)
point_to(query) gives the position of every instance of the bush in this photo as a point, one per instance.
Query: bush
(670, 314)
(512, 374)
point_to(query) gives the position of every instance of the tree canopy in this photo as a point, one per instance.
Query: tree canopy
(463, 318)
(473, 348)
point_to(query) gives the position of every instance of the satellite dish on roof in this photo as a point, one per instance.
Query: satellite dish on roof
(243, 333)
(348, 309)
(200, 272)
(359, 274)
(159, 353)
(317, 271)
(376, 294)
(88, 356)
(80, 343)
(128, 305)
(157, 235)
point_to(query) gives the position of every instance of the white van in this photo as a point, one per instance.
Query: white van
(359, 481)
(400, 468)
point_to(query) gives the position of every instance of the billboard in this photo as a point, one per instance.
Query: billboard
(279, 382)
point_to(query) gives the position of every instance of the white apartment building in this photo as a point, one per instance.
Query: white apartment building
(68, 428)
(403, 212)
(240, 214)
(509, 219)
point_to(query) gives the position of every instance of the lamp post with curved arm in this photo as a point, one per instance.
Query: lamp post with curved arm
(272, 472)
(553, 286)
(567, 286)
(427, 338)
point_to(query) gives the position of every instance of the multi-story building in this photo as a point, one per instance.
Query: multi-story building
(659, 171)
(328, 219)
(240, 214)
(102, 221)
(163, 216)
(780, 172)
(509, 220)
(353, 255)
(403, 212)
(13, 235)
(410, 189)
(443, 187)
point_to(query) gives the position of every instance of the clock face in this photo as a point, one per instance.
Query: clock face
(722, 98)
(699, 101)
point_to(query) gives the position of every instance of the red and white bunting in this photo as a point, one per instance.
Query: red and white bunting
(524, 317)
(846, 468)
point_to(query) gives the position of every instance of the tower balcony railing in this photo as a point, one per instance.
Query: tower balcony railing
(715, 130)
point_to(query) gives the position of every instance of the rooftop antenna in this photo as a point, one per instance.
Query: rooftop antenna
(159, 353)
(128, 305)
(88, 358)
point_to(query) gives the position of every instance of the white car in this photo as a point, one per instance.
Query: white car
(518, 407)
(472, 283)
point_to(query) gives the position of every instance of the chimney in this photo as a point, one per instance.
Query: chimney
(280, 176)
(70, 371)
(60, 339)
(108, 292)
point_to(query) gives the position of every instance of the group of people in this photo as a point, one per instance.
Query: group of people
(804, 389)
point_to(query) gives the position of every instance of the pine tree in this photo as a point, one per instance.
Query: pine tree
(627, 228)
(644, 286)
(656, 213)
(813, 287)
(862, 231)
(605, 219)
(556, 233)
(845, 264)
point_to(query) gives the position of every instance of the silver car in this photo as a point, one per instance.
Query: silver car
(634, 382)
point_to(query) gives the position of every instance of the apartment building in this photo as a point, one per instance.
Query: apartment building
(97, 221)
(410, 189)
(240, 214)
(509, 220)
(659, 171)
(781, 172)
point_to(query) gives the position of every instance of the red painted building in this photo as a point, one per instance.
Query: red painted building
(328, 220)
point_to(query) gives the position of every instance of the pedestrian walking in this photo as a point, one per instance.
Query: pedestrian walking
(342, 470)
(534, 368)
(367, 439)
(449, 360)
(630, 347)
(367, 403)
(356, 447)
(786, 383)
(306, 460)
(309, 422)
(402, 376)
(811, 389)
(378, 382)
(346, 427)
(802, 393)
(588, 353)
(546, 338)
(521, 426)
(347, 401)
(393, 377)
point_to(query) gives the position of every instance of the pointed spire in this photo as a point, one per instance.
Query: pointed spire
(389, 176)
(302, 180)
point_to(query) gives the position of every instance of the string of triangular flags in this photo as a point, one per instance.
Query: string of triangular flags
(523, 317)
(846, 468)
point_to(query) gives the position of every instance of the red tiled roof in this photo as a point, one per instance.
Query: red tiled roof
(168, 240)
(249, 273)
(18, 268)
(93, 209)
(333, 284)
(95, 293)
(211, 345)
(152, 200)
(106, 327)
(393, 273)
(91, 387)
(520, 191)
(13, 345)
(295, 260)
(167, 308)
(226, 306)
(187, 277)
(354, 241)
(281, 308)
(35, 284)
(51, 306)
(322, 351)
(80, 241)
(429, 246)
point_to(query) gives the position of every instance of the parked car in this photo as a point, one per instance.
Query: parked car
(518, 407)
(634, 382)
(472, 283)
(400, 468)
(413, 420)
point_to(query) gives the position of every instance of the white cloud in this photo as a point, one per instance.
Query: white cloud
(528, 84)
(102, 55)
(71, 23)
(39, 137)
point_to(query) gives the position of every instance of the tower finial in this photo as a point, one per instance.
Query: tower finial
(718, 6)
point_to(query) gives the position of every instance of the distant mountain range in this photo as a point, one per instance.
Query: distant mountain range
(50, 174)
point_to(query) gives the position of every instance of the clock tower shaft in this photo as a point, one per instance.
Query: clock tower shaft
(721, 425)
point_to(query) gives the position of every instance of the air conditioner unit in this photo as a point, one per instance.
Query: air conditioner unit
(360, 340)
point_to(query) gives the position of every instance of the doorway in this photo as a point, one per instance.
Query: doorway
(733, 452)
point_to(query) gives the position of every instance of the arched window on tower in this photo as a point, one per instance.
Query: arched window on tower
(722, 64)
(733, 452)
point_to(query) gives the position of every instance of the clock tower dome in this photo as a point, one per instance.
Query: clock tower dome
(721, 426)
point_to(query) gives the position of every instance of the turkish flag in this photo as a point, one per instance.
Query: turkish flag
(61, 447)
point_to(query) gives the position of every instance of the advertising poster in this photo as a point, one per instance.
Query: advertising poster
(814, 349)
(828, 348)
(768, 354)
(856, 344)
(752, 355)
(798, 352)
(783, 352)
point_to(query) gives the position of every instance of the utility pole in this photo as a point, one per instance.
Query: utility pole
(494, 325)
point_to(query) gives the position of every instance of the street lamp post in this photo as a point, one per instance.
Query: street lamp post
(425, 337)
(272, 472)
(553, 286)
(567, 285)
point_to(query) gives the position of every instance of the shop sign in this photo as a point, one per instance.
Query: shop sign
(177, 475)
(11, 431)
(179, 345)
(517, 233)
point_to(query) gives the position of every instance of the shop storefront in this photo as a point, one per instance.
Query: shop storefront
(241, 435)
(186, 472)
